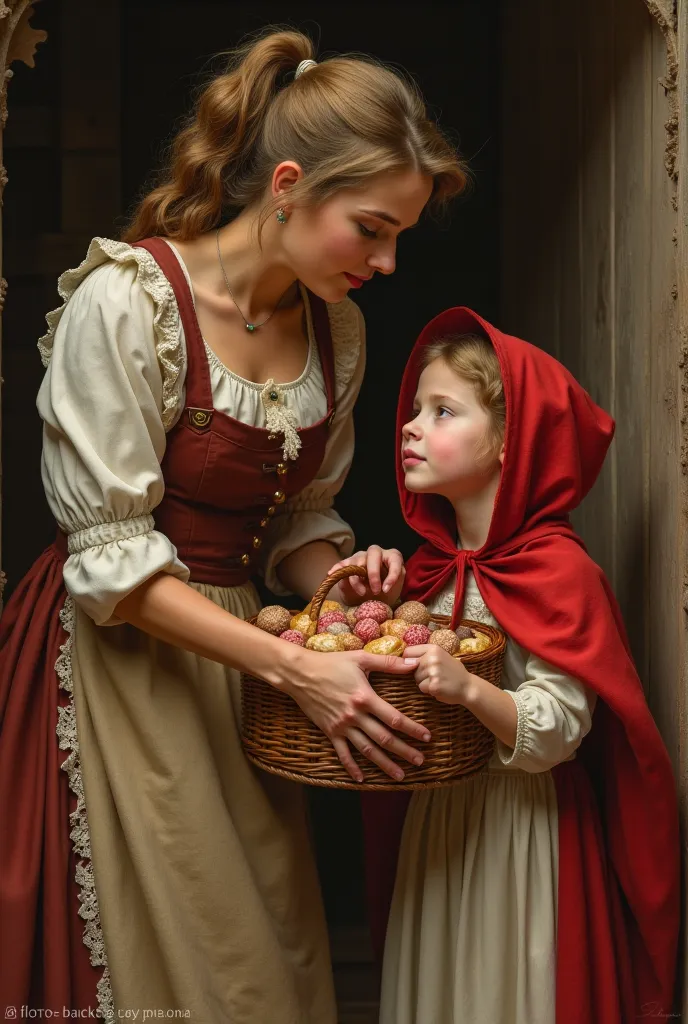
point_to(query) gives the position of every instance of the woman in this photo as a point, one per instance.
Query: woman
(173, 477)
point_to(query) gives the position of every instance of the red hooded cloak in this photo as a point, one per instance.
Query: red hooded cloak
(619, 888)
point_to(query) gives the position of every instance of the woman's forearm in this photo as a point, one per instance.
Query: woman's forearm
(303, 570)
(177, 614)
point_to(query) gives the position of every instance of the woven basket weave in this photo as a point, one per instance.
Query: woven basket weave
(280, 739)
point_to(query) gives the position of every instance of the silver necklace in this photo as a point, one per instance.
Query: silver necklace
(249, 326)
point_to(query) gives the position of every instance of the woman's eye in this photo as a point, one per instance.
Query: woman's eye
(367, 232)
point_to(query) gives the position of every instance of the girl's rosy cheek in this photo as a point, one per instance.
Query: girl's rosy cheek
(442, 447)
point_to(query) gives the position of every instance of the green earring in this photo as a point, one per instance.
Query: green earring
(281, 216)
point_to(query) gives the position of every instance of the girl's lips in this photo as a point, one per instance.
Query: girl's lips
(410, 458)
(355, 282)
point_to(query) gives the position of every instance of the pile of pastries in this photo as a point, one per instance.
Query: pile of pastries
(372, 626)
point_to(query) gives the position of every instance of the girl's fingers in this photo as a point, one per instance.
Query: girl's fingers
(418, 651)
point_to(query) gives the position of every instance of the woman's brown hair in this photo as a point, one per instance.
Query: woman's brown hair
(342, 121)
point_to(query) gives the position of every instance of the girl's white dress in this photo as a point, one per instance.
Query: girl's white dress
(472, 932)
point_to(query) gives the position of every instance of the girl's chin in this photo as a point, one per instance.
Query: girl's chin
(415, 485)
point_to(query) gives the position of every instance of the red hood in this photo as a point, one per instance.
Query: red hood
(556, 437)
(551, 598)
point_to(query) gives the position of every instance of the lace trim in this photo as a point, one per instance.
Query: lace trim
(280, 420)
(473, 605)
(79, 834)
(521, 731)
(170, 351)
(347, 328)
(107, 533)
(346, 321)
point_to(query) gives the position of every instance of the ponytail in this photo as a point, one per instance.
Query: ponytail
(344, 121)
(212, 153)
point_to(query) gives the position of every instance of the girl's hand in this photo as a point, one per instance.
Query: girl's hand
(439, 675)
(385, 568)
(333, 690)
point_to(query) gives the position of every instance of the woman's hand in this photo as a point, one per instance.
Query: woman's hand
(385, 568)
(335, 694)
(441, 676)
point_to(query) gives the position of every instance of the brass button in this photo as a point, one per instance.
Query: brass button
(264, 522)
(281, 469)
(279, 497)
(257, 542)
(271, 511)
(245, 559)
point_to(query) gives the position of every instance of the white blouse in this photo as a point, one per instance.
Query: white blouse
(114, 386)
(554, 710)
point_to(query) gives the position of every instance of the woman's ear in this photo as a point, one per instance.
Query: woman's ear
(501, 455)
(284, 177)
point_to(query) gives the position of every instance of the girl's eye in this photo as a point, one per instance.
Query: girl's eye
(442, 409)
(367, 232)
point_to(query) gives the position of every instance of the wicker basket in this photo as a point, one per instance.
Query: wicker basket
(279, 738)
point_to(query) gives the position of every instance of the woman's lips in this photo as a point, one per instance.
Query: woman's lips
(355, 282)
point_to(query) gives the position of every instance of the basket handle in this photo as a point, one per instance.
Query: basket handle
(329, 582)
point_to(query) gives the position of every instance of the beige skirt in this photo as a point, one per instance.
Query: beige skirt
(472, 932)
(206, 885)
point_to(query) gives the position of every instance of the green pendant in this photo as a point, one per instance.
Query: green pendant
(250, 327)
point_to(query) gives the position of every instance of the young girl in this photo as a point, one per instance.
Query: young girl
(197, 403)
(545, 889)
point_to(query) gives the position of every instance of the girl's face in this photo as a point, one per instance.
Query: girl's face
(338, 245)
(444, 446)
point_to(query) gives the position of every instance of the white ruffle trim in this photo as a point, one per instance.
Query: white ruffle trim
(346, 322)
(68, 740)
(347, 329)
(168, 343)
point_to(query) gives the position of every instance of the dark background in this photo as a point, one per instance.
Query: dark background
(164, 47)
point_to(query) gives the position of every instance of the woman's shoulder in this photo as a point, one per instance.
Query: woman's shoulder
(116, 279)
(348, 340)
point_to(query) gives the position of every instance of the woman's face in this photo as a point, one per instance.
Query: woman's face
(338, 245)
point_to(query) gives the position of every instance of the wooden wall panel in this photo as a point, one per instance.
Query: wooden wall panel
(666, 621)
(590, 356)
(631, 130)
(602, 299)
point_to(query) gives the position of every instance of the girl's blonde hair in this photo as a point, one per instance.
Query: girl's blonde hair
(342, 121)
(473, 358)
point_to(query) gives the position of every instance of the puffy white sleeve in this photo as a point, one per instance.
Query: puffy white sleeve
(103, 404)
(554, 715)
(310, 516)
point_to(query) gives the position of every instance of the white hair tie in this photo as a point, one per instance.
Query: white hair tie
(304, 66)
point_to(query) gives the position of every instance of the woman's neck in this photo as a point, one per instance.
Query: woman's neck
(258, 275)
(474, 515)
